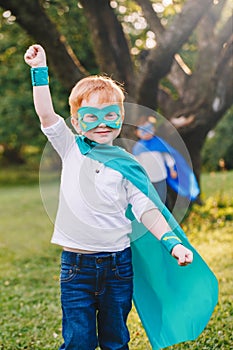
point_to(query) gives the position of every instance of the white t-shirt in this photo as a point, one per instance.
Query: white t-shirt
(93, 199)
(154, 163)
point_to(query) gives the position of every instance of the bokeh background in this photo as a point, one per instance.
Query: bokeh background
(173, 57)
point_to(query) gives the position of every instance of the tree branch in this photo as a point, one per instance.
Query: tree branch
(110, 45)
(151, 16)
(226, 55)
(225, 32)
(160, 59)
(183, 24)
(179, 70)
(65, 63)
(216, 9)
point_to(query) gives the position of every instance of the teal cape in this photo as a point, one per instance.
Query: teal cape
(174, 303)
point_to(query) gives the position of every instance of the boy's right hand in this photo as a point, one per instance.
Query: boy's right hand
(35, 56)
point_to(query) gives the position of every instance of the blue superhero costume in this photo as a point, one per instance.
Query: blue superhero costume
(174, 303)
(185, 184)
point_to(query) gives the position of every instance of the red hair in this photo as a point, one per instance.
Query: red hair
(108, 90)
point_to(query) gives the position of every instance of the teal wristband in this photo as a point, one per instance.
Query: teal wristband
(39, 76)
(169, 240)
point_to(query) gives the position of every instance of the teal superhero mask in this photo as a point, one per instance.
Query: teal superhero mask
(90, 117)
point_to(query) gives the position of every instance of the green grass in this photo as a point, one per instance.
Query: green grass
(217, 183)
(18, 175)
(29, 274)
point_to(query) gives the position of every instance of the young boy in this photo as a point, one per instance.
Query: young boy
(91, 225)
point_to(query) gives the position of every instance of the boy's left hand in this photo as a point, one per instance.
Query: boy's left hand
(182, 254)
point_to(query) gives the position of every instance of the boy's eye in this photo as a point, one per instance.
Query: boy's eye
(111, 116)
(89, 118)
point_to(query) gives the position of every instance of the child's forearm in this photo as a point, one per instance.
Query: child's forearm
(44, 106)
(35, 57)
(158, 226)
(155, 223)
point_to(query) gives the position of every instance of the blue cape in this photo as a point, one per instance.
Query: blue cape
(185, 184)
(174, 303)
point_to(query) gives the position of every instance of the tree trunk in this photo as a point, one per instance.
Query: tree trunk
(12, 155)
(202, 94)
(111, 47)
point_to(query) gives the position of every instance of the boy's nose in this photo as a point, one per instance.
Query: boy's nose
(102, 125)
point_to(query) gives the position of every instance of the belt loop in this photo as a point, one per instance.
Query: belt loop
(114, 261)
(78, 260)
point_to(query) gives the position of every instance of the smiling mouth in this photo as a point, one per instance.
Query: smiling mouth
(103, 132)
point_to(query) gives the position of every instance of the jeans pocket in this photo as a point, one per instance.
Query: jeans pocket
(124, 271)
(68, 272)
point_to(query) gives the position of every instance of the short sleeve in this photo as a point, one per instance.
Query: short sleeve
(169, 160)
(139, 201)
(60, 136)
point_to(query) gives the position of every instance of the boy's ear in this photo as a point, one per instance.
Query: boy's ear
(75, 123)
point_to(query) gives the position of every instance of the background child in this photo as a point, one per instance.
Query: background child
(91, 225)
(155, 162)
(165, 166)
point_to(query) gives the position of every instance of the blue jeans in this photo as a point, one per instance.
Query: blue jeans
(161, 188)
(96, 298)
